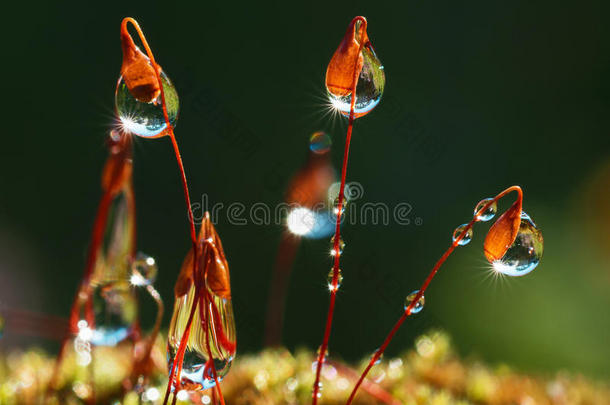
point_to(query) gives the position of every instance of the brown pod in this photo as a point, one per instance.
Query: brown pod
(347, 60)
(212, 264)
(502, 234)
(137, 71)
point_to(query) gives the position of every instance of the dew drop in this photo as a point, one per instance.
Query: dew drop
(370, 86)
(489, 213)
(526, 251)
(320, 142)
(329, 280)
(378, 360)
(341, 246)
(467, 236)
(115, 308)
(142, 118)
(325, 354)
(196, 371)
(143, 270)
(336, 206)
(114, 301)
(417, 307)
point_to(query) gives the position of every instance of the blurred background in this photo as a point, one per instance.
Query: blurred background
(479, 97)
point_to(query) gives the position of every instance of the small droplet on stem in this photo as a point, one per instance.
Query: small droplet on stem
(488, 213)
(417, 307)
(467, 236)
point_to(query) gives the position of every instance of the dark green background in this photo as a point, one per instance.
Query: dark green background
(478, 97)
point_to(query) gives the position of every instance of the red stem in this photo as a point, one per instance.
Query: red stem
(333, 290)
(193, 232)
(424, 286)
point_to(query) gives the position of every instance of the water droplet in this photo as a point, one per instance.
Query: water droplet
(114, 302)
(378, 360)
(371, 80)
(329, 280)
(526, 251)
(417, 307)
(320, 143)
(146, 119)
(489, 213)
(314, 364)
(466, 238)
(143, 270)
(115, 309)
(336, 206)
(325, 354)
(320, 386)
(341, 246)
(196, 371)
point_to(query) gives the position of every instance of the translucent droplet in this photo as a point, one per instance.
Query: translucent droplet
(115, 308)
(325, 354)
(314, 365)
(417, 307)
(489, 213)
(143, 270)
(146, 119)
(341, 246)
(336, 206)
(466, 238)
(113, 301)
(320, 386)
(197, 371)
(329, 280)
(526, 251)
(320, 142)
(378, 359)
(369, 88)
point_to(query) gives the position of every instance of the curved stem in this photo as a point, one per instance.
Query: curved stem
(424, 286)
(333, 290)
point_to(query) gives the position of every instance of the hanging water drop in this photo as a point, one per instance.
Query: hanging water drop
(113, 301)
(347, 62)
(143, 270)
(115, 308)
(467, 236)
(489, 213)
(213, 315)
(340, 247)
(146, 119)
(320, 142)
(418, 306)
(329, 280)
(525, 252)
(197, 371)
